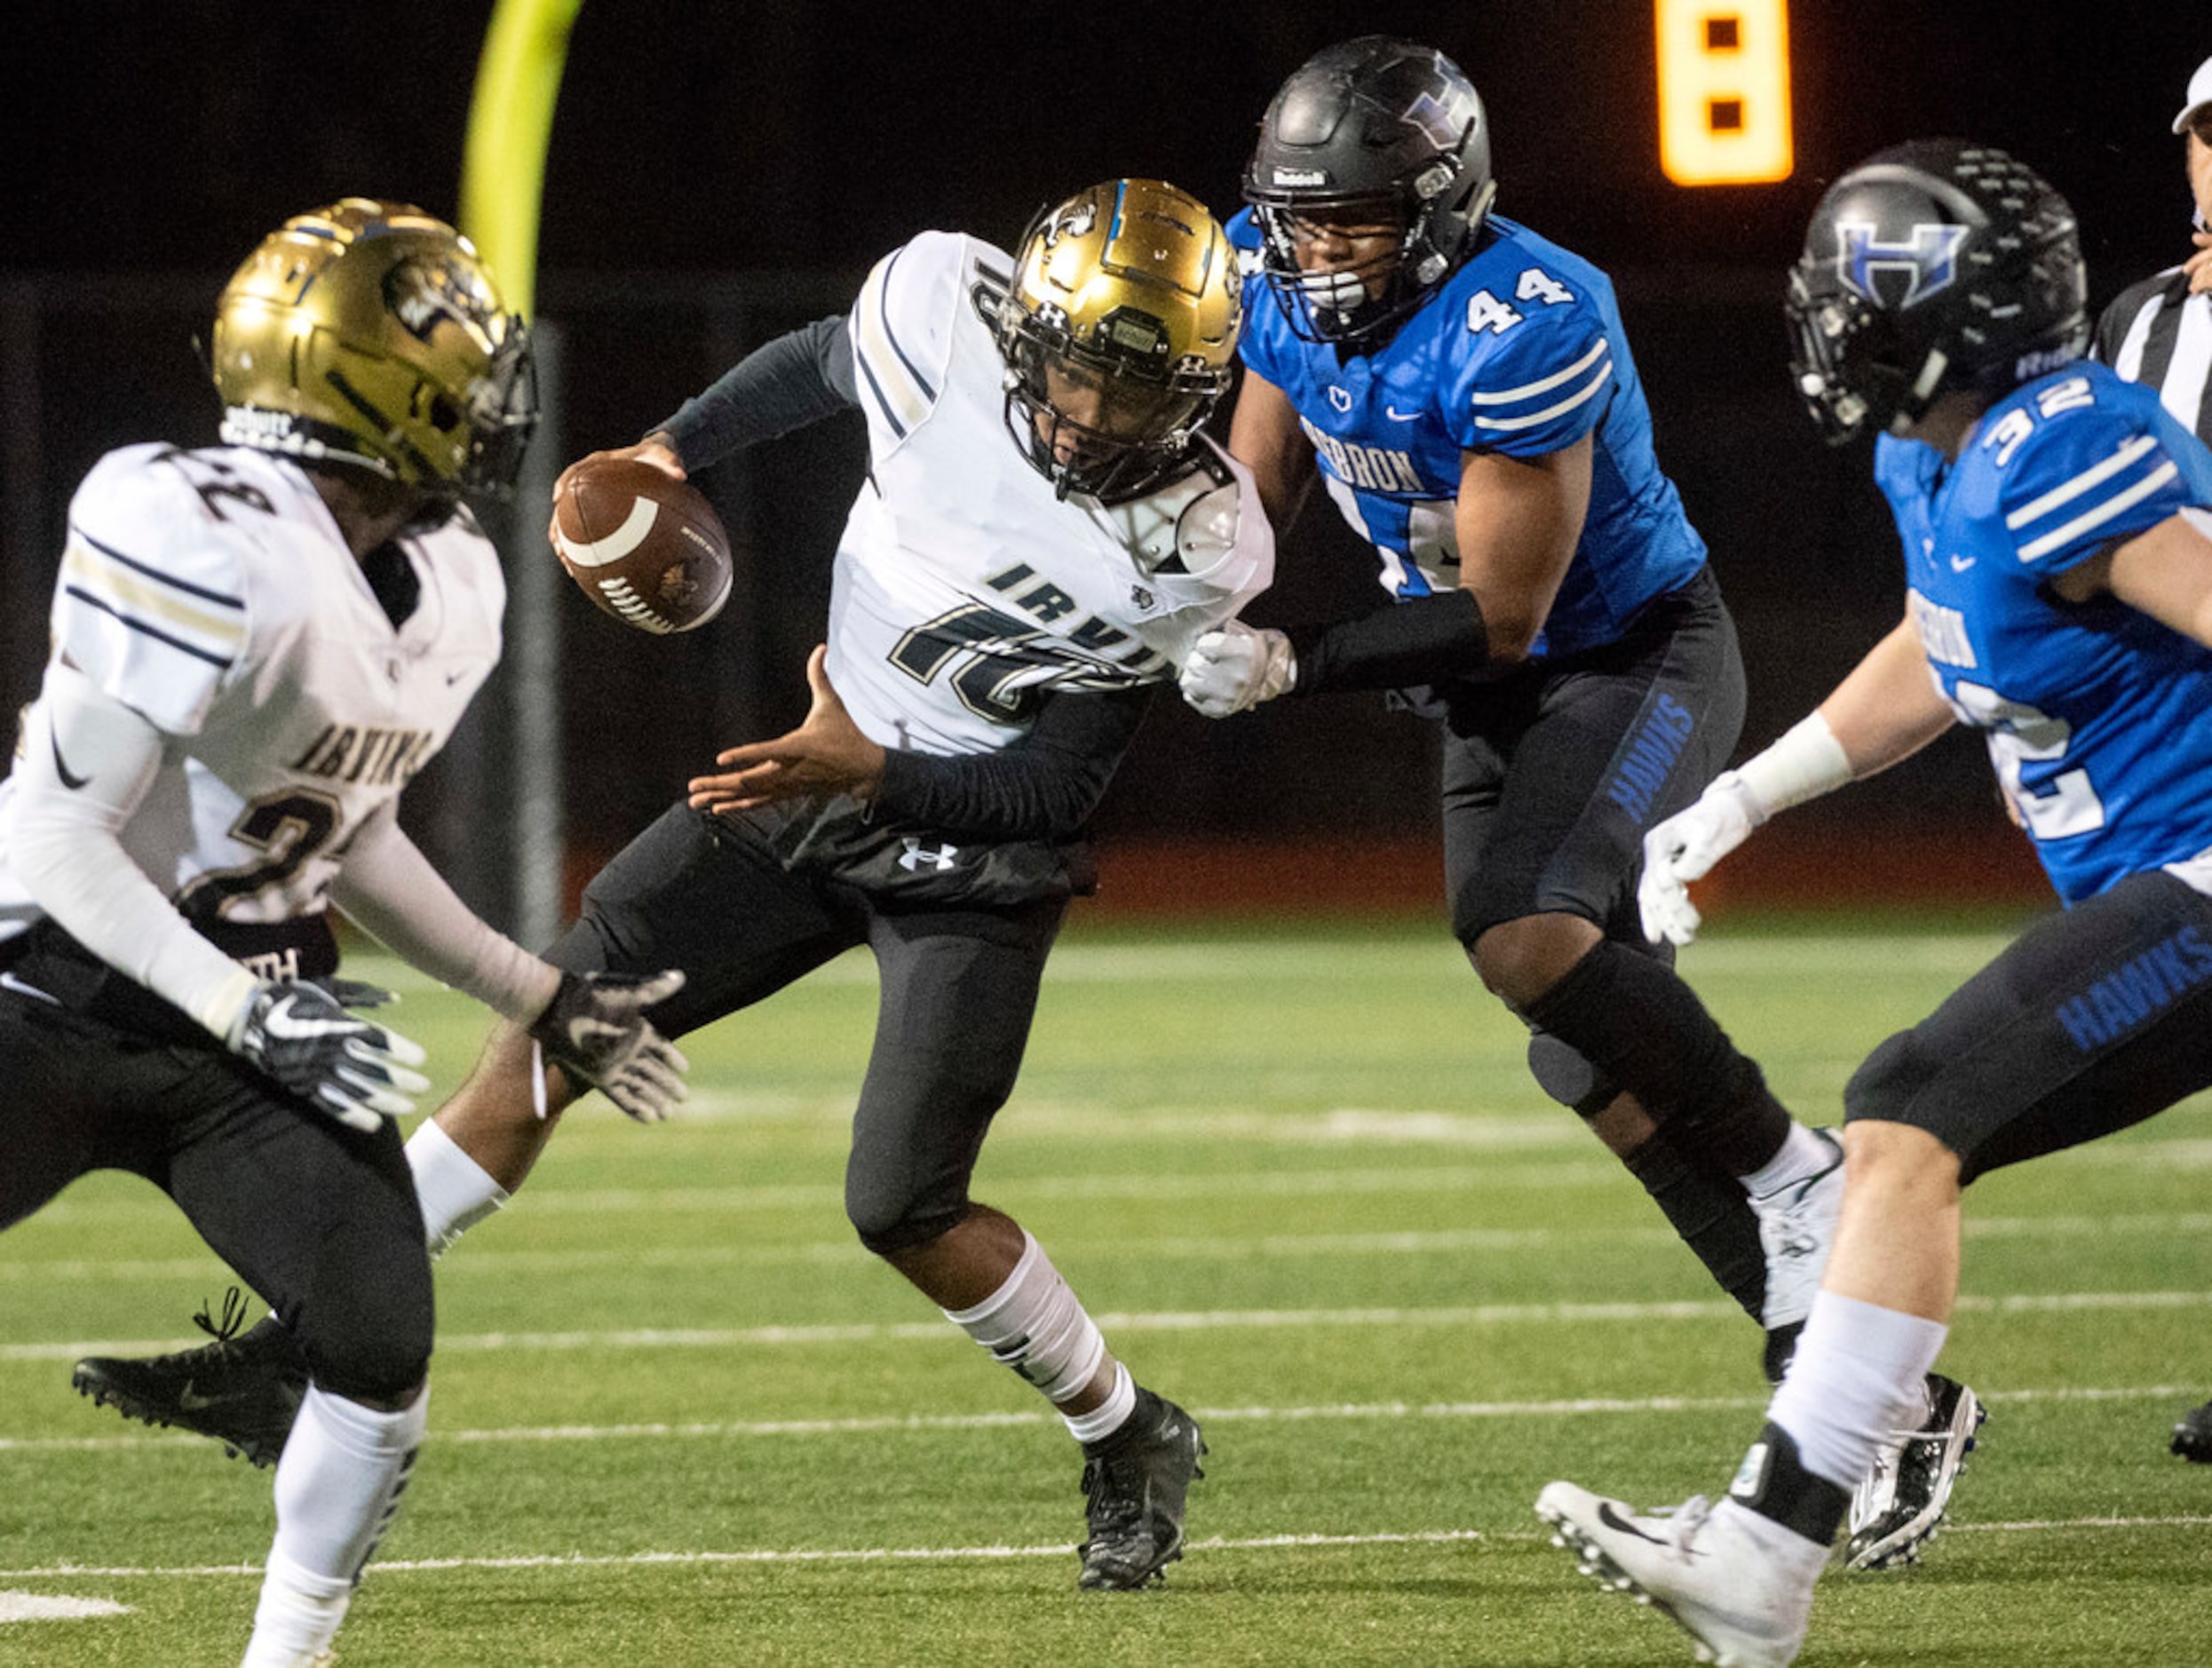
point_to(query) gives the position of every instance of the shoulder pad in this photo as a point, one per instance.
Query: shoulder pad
(152, 601)
(1222, 535)
(1539, 387)
(2074, 469)
(904, 319)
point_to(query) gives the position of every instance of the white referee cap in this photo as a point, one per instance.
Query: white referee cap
(2200, 96)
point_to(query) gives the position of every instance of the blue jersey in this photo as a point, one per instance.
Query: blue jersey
(2099, 718)
(1520, 351)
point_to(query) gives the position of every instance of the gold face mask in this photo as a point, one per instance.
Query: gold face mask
(1119, 333)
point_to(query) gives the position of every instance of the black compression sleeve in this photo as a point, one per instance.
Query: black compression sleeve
(1044, 786)
(1427, 639)
(798, 378)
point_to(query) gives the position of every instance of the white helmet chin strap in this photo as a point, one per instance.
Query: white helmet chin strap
(1924, 391)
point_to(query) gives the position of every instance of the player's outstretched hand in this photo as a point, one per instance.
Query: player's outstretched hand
(654, 449)
(595, 1029)
(304, 1036)
(1685, 847)
(826, 755)
(1235, 667)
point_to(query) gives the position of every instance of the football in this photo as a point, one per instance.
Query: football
(647, 548)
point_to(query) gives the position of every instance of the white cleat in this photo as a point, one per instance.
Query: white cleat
(1897, 1510)
(1796, 1229)
(1738, 1584)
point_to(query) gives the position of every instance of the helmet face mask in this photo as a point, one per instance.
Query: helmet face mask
(369, 335)
(1369, 266)
(1119, 334)
(1934, 267)
(1380, 136)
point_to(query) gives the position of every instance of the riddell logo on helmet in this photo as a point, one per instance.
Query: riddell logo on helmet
(253, 425)
(2030, 366)
(1301, 177)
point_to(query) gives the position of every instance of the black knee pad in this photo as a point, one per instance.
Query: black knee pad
(892, 1207)
(884, 1233)
(1637, 1022)
(373, 1352)
(1568, 1078)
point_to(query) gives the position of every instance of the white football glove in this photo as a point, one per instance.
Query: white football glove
(303, 1036)
(1685, 847)
(1237, 667)
(595, 1029)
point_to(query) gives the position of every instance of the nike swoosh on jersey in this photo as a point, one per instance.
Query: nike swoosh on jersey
(1396, 415)
(1960, 564)
(69, 778)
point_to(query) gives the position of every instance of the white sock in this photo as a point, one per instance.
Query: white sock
(297, 1615)
(1859, 1374)
(1802, 1155)
(456, 1192)
(1033, 1324)
(1110, 1415)
(338, 1484)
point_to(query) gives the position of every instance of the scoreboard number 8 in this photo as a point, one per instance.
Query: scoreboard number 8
(1724, 92)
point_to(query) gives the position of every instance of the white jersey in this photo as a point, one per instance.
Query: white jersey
(210, 592)
(964, 588)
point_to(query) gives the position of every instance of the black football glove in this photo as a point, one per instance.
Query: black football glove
(352, 1069)
(595, 1029)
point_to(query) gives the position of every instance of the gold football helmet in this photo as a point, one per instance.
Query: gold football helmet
(1120, 334)
(370, 334)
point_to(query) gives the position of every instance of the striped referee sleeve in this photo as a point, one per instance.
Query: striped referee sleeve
(2168, 345)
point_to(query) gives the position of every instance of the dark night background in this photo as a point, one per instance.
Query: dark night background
(721, 172)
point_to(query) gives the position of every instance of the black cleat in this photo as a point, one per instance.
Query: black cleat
(1781, 1349)
(1900, 1504)
(1135, 1481)
(2193, 1437)
(242, 1391)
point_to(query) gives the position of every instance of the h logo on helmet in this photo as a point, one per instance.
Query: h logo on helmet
(1930, 262)
(1427, 114)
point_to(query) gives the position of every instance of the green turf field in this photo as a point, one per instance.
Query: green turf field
(1300, 1176)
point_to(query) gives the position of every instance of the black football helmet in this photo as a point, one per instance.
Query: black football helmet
(1376, 127)
(1933, 266)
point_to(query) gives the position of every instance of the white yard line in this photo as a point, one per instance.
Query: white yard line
(1183, 1321)
(1579, 1406)
(1225, 1248)
(2165, 1157)
(945, 1554)
(39, 1607)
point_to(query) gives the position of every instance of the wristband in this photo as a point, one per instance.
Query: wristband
(1807, 762)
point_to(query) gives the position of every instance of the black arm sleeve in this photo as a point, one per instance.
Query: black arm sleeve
(798, 378)
(1428, 639)
(1044, 786)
